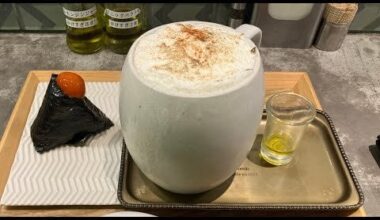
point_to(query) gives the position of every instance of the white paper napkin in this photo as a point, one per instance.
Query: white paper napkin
(68, 175)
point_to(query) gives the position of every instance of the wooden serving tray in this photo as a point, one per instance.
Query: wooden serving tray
(297, 82)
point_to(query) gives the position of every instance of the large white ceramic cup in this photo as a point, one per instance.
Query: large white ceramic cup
(190, 144)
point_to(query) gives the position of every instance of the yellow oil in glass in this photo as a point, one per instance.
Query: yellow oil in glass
(277, 149)
(280, 143)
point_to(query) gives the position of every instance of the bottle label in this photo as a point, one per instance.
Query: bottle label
(82, 24)
(123, 25)
(122, 15)
(79, 14)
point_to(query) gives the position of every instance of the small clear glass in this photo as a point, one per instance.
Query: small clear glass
(288, 116)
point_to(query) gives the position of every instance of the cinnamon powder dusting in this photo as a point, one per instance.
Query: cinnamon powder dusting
(191, 52)
(201, 35)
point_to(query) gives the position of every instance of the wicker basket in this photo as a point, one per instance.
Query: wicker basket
(342, 13)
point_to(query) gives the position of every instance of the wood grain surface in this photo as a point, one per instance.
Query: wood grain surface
(298, 82)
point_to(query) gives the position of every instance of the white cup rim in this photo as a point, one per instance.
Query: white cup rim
(245, 82)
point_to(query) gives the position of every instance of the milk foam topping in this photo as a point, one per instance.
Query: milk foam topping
(194, 58)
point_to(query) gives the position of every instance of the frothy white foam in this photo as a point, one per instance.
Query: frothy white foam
(194, 59)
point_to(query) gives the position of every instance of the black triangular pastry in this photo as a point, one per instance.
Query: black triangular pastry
(65, 120)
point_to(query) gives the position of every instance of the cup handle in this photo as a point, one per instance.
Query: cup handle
(252, 32)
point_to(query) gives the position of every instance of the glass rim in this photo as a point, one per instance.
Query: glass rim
(309, 103)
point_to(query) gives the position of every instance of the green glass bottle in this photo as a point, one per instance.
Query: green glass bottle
(83, 27)
(124, 23)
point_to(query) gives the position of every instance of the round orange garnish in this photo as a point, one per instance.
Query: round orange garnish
(71, 84)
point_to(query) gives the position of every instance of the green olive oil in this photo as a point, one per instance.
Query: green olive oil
(124, 23)
(84, 28)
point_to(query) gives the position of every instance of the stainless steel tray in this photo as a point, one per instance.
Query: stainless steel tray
(319, 179)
